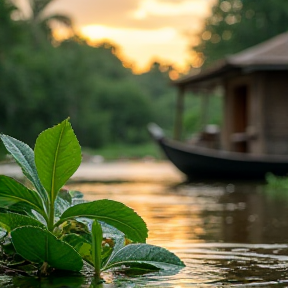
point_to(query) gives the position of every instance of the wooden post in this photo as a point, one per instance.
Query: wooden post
(204, 110)
(179, 113)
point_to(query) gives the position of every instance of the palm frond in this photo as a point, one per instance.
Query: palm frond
(37, 7)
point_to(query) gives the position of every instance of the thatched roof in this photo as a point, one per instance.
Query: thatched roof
(269, 55)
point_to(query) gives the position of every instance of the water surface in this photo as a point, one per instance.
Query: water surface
(228, 234)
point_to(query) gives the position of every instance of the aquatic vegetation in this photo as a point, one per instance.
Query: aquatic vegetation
(276, 182)
(276, 187)
(45, 228)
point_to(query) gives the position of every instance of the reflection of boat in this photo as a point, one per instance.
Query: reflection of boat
(211, 163)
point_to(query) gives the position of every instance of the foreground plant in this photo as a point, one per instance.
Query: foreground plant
(47, 227)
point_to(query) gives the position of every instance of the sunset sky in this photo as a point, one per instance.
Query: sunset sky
(144, 30)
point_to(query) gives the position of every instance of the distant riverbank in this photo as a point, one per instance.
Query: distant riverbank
(114, 171)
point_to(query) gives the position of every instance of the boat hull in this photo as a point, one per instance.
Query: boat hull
(198, 163)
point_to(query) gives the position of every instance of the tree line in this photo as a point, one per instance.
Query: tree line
(235, 25)
(43, 82)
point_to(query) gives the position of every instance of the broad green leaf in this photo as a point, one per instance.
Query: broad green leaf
(11, 221)
(39, 246)
(113, 213)
(12, 192)
(57, 157)
(137, 255)
(21, 208)
(24, 156)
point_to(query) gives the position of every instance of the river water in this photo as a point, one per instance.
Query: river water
(228, 234)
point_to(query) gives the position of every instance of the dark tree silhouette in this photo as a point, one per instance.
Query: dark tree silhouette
(238, 24)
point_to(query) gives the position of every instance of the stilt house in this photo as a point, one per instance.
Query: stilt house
(255, 85)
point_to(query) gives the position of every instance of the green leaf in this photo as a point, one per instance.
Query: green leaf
(12, 192)
(74, 226)
(24, 156)
(65, 195)
(57, 157)
(76, 194)
(138, 255)
(3, 233)
(35, 215)
(39, 246)
(11, 221)
(60, 206)
(117, 236)
(21, 208)
(81, 245)
(113, 213)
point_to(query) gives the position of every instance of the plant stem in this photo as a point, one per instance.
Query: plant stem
(97, 237)
(51, 217)
(44, 269)
(96, 283)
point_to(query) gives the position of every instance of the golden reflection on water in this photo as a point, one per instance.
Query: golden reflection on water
(172, 219)
(225, 234)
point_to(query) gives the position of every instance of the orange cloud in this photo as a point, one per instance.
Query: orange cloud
(144, 29)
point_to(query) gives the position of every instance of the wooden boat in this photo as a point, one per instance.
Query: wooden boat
(200, 163)
(253, 136)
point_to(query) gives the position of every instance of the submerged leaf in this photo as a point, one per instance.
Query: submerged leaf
(12, 192)
(57, 157)
(113, 213)
(24, 156)
(39, 246)
(138, 255)
(11, 221)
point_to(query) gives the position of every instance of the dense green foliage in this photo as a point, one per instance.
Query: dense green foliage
(238, 24)
(42, 81)
(47, 227)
